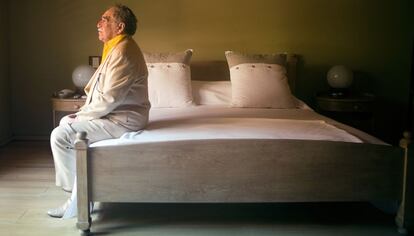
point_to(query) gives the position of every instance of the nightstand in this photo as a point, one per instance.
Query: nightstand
(64, 106)
(354, 109)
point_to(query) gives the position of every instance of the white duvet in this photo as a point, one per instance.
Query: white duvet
(220, 122)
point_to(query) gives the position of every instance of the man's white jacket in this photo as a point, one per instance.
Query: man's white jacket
(118, 90)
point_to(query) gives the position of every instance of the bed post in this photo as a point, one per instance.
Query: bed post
(405, 212)
(84, 219)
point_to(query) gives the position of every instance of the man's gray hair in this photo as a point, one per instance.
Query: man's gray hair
(123, 14)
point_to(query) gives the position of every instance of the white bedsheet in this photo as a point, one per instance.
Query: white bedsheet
(219, 122)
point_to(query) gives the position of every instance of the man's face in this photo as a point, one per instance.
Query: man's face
(108, 27)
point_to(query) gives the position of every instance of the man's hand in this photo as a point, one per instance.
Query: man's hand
(69, 119)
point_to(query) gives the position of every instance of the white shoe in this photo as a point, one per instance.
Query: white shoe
(60, 211)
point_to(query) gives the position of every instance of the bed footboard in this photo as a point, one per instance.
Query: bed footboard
(237, 171)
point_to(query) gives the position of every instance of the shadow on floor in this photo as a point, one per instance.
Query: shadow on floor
(112, 217)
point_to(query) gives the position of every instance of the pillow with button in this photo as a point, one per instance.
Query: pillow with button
(259, 80)
(169, 79)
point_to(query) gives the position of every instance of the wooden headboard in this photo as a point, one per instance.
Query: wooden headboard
(219, 70)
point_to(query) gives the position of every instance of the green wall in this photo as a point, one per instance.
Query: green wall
(5, 113)
(50, 38)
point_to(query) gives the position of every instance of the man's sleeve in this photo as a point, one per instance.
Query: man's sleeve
(118, 80)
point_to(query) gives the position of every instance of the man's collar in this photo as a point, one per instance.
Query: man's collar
(110, 44)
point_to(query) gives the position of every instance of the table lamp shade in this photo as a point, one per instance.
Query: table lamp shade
(340, 77)
(81, 76)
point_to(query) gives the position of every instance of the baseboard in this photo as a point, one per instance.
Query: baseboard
(23, 138)
(5, 141)
(31, 138)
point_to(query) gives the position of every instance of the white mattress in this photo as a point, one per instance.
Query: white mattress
(220, 122)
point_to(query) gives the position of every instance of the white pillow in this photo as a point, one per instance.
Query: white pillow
(259, 81)
(211, 92)
(169, 79)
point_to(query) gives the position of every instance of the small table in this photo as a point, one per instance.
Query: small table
(354, 109)
(64, 106)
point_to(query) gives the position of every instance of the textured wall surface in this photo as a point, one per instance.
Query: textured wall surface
(5, 112)
(50, 38)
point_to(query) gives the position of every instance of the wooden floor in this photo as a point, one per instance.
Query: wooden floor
(27, 190)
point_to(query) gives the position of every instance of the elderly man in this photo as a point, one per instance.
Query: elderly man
(117, 97)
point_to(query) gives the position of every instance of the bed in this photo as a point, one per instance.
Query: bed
(212, 152)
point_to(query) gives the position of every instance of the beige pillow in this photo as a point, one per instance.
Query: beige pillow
(169, 79)
(259, 80)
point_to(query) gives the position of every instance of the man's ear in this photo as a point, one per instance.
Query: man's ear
(121, 28)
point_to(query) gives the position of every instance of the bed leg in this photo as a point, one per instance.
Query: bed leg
(85, 232)
(403, 214)
(84, 218)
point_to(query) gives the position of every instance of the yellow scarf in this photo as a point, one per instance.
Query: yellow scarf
(111, 44)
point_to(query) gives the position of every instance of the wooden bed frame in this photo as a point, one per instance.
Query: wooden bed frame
(266, 170)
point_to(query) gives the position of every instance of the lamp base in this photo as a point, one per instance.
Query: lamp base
(339, 92)
(80, 91)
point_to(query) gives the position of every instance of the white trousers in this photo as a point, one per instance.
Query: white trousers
(62, 143)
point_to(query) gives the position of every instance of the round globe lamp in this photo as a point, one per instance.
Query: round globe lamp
(340, 80)
(81, 76)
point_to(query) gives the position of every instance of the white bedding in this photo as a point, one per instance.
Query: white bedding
(221, 122)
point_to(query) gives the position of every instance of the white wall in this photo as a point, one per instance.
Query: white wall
(48, 39)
